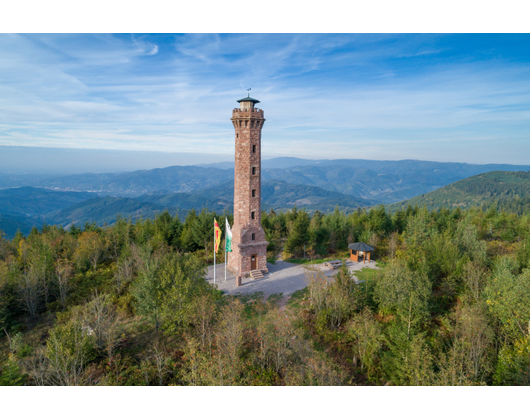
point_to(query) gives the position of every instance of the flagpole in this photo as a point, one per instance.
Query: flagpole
(214, 232)
(225, 251)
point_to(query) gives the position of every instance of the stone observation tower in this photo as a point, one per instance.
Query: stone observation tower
(249, 247)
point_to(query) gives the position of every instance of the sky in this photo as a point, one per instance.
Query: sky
(439, 97)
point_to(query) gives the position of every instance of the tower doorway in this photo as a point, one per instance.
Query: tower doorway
(253, 262)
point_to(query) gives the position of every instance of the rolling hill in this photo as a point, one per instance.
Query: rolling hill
(105, 210)
(313, 185)
(11, 223)
(275, 194)
(382, 181)
(37, 202)
(503, 190)
(133, 184)
(25, 207)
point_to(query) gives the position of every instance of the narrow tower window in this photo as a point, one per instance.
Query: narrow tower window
(253, 215)
(253, 148)
(253, 236)
(253, 170)
(253, 193)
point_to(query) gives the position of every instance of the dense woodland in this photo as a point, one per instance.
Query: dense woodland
(504, 190)
(128, 304)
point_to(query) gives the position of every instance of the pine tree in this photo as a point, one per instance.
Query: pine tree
(299, 234)
(203, 230)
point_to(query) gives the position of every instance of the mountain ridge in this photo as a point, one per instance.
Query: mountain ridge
(504, 190)
(383, 181)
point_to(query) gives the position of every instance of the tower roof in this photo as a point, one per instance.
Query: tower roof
(249, 99)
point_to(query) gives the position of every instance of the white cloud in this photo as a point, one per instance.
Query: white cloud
(330, 95)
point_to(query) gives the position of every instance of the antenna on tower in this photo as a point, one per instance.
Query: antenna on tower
(248, 90)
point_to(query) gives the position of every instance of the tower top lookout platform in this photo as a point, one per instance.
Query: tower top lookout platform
(247, 102)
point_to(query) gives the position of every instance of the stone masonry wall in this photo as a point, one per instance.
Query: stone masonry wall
(248, 123)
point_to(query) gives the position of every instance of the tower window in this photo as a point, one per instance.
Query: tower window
(253, 148)
(253, 193)
(253, 170)
(253, 215)
(253, 236)
(237, 135)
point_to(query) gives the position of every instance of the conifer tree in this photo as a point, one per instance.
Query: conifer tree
(299, 234)
(203, 230)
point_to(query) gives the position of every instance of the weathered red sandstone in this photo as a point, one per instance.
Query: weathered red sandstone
(248, 237)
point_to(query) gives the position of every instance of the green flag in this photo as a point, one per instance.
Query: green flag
(228, 237)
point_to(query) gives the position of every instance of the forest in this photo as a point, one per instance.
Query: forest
(128, 304)
(504, 190)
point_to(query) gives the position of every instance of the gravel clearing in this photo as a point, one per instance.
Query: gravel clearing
(283, 277)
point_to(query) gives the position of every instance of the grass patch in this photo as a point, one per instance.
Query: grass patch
(275, 298)
(366, 274)
(250, 301)
(337, 256)
(271, 261)
(297, 297)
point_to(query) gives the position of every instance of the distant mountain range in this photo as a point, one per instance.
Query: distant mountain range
(38, 202)
(104, 210)
(40, 205)
(508, 191)
(11, 223)
(382, 181)
(313, 185)
(275, 194)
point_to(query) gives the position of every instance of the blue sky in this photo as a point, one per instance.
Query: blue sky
(460, 98)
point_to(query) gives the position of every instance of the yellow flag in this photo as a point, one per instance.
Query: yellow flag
(217, 235)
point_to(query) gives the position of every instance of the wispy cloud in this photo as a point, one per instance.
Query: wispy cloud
(335, 95)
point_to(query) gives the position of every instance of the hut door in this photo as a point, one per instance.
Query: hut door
(253, 260)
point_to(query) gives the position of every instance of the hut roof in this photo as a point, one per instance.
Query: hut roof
(361, 246)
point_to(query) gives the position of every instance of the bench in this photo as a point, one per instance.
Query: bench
(334, 264)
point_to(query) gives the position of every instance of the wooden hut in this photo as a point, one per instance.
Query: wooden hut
(360, 251)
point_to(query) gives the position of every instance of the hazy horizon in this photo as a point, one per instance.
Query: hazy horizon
(40, 160)
(436, 97)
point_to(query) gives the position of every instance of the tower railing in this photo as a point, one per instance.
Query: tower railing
(259, 111)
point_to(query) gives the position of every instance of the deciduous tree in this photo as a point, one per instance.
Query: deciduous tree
(69, 349)
(29, 290)
(181, 277)
(508, 298)
(366, 336)
(63, 279)
(90, 248)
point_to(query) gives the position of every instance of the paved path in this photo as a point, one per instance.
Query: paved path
(283, 277)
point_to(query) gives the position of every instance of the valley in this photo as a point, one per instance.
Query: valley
(27, 201)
